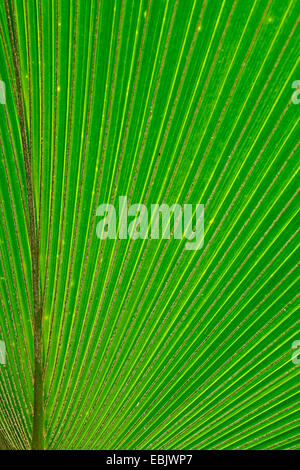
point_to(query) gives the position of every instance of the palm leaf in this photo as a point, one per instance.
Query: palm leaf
(142, 344)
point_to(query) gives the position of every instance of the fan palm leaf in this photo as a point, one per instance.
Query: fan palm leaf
(143, 344)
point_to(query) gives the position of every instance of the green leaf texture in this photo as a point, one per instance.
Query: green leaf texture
(146, 345)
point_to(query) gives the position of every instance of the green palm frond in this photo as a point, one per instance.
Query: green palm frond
(143, 344)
